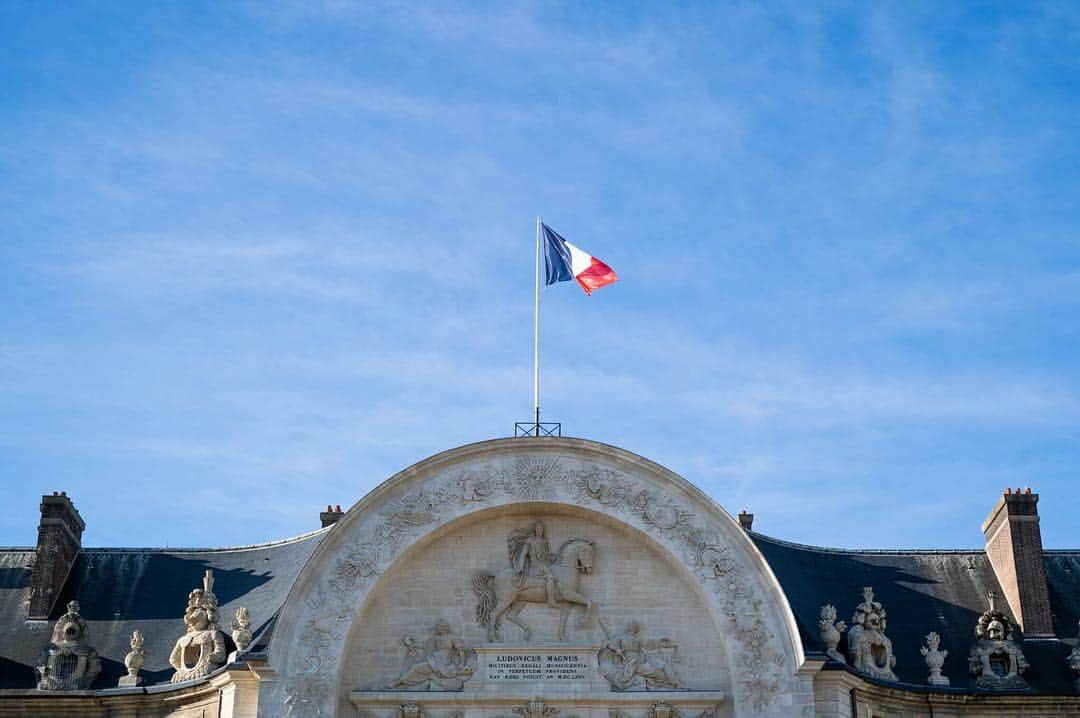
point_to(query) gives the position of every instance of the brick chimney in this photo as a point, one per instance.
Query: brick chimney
(1014, 547)
(331, 516)
(746, 520)
(58, 544)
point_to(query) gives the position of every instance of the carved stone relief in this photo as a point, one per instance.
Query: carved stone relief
(759, 667)
(442, 662)
(535, 575)
(996, 659)
(202, 648)
(536, 708)
(631, 663)
(68, 662)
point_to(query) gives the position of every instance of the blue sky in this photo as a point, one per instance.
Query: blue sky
(257, 257)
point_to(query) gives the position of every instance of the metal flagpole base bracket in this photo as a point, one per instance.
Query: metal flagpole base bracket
(537, 428)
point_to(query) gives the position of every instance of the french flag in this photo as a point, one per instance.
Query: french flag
(565, 262)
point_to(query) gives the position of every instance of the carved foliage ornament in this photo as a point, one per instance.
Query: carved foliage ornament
(759, 663)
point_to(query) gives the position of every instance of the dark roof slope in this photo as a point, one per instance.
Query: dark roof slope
(921, 591)
(121, 590)
(1063, 581)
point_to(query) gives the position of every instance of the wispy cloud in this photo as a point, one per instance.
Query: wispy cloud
(296, 246)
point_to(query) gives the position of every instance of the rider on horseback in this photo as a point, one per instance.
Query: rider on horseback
(531, 556)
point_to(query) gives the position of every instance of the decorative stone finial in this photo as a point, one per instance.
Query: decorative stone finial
(241, 630)
(935, 659)
(133, 661)
(202, 648)
(68, 663)
(996, 660)
(869, 648)
(830, 630)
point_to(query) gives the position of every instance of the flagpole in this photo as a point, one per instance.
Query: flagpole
(536, 336)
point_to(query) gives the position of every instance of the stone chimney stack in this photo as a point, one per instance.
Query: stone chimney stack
(59, 540)
(746, 520)
(1014, 547)
(331, 516)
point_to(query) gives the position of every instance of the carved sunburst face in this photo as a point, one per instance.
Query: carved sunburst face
(533, 477)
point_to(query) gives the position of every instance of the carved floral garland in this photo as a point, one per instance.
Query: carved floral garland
(533, 478)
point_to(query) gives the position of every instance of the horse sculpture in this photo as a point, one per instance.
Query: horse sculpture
(501, 594)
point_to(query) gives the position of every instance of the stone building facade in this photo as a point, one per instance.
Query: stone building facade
(539, 578)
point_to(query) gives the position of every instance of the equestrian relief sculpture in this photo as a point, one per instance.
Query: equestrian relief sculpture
(535, 575)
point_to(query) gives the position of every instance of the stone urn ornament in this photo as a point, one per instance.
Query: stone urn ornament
(935, 659)
(241, 630)
(831, 630)
(133, 661)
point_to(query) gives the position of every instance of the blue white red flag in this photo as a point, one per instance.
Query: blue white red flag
(565, 262)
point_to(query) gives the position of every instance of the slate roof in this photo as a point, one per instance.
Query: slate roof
(120, 590)
(923, 591)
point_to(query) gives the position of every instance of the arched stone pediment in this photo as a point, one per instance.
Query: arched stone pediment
(636, 543)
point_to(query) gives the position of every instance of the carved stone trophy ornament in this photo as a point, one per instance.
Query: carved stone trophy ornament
(535, 575)
(869, 648)
(830, 631)
(202, 648)
(133, 661)
(630, 663)
(68, 663)
(1074, 663)
(996, 660)
(440, 663)
(935, 659)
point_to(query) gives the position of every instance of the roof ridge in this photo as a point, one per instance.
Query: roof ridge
(188, 549)
(869, 551)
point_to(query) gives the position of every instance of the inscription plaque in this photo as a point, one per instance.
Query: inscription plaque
(501, 667)
(520, 666)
